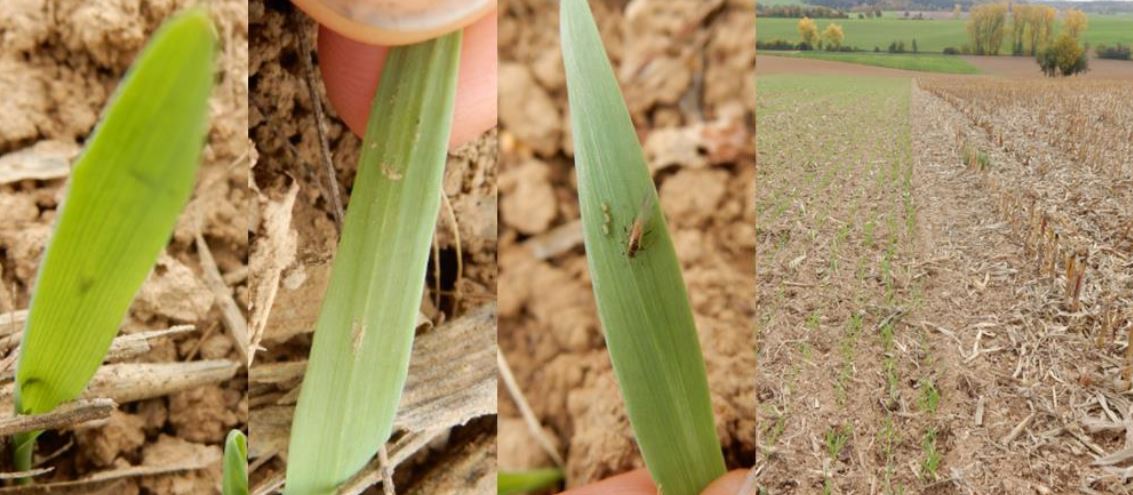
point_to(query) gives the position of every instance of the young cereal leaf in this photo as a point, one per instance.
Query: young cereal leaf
(235, 464)
(360, 354)
(516, 482)
(125, 193)
(637, 280)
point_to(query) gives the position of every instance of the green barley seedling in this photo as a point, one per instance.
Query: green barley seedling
(640, 294)
(932, 457)
(888, 439)
(814, 321)
(360, 354)
(235, 464)
(889, 362)
(772, 434)
(126, 191)
(849, 342)
(984, 161)
(930, 396)
(535, 480)
(836, 440)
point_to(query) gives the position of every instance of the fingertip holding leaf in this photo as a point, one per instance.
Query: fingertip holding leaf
(638, 287)
(126, 191)
(359, 358)
(397, 22)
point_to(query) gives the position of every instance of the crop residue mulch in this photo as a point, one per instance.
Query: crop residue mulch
(948, 355)
(1059, 180)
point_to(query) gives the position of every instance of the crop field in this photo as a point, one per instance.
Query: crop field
(925, 62)
(946, 270)
(932, 35)
(836, 225)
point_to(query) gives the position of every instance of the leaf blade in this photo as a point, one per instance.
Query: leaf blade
(235, 464)
(360, 355)
(127, 189)
(641, 298)
(515, 482)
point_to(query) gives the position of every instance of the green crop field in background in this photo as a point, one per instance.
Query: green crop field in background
(924, 62)
(770, 3)
(931, 35)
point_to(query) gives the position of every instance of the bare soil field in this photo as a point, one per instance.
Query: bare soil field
(444, 440)
(182, 390)
(1025, 67)
(770, 64)
(946, 285)
(681, 66)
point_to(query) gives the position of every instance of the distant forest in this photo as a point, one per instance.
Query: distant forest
(1106, 7)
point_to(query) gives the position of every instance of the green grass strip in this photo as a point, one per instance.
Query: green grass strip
(360, 354)
(235, 480)
(923, 62)
(640, 294)
(125, 194)
(516, 482)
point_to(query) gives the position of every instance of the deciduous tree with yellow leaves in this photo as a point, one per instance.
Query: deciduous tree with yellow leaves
(808, 30)
(986, 28)
(1075, 23)
(1040, 27)
(832, 36)
(1064, 57)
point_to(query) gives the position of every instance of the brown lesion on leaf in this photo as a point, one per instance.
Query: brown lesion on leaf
(391, 172)
(357, 336)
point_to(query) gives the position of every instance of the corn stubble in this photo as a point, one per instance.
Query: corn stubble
(1058, 192)
(637, 280)
(360, 354)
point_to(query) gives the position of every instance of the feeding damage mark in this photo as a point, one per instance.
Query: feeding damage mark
(390, 172)
(357, 336)
(144, 178)
(85, 284)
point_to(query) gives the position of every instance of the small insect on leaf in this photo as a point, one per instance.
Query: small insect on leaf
(606, 219)
(637, 230)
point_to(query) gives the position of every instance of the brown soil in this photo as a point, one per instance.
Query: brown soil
(296, 236)
(770, 64)
(678, 64)
(1025, 67)
(59, 62)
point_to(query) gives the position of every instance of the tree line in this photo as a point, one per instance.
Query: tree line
(1030, 30)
